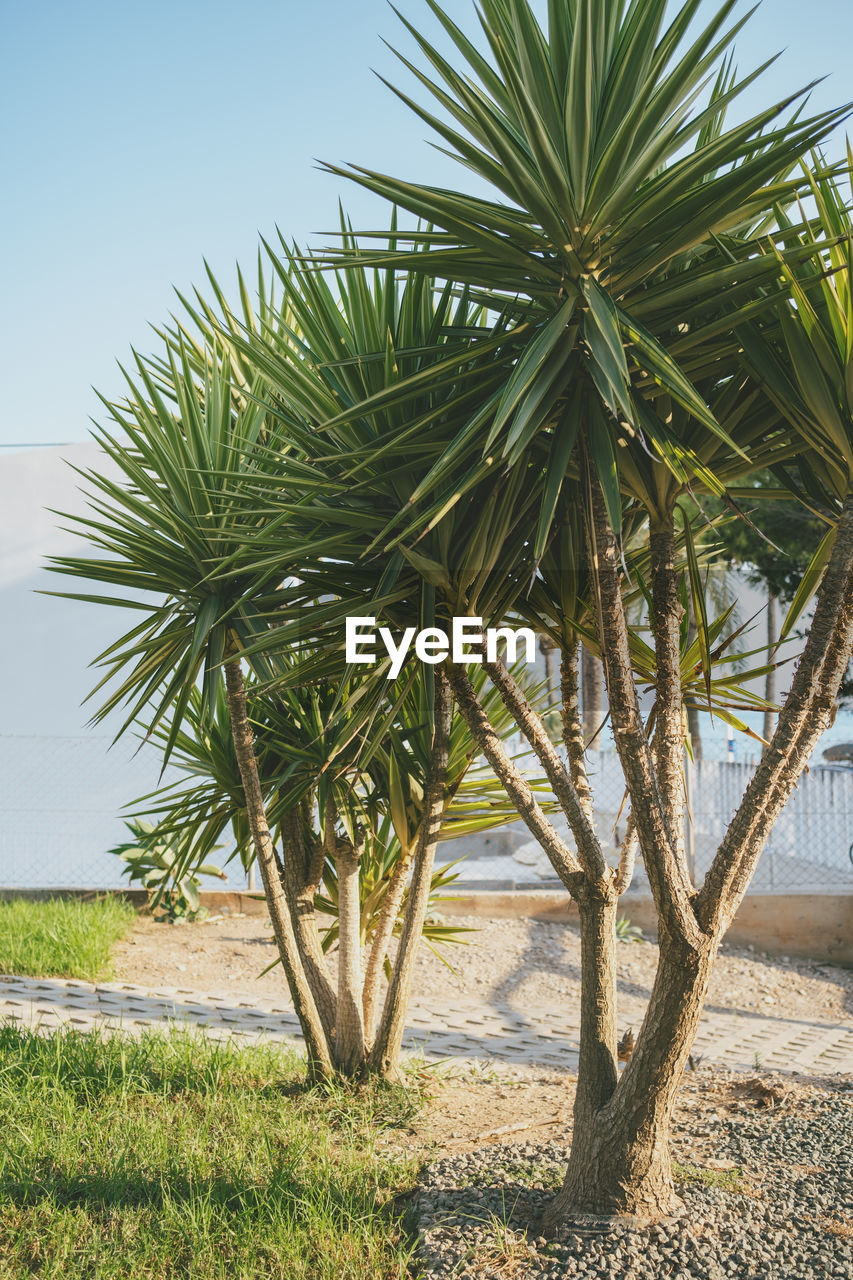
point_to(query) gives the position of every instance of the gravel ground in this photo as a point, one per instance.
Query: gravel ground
(774, 1200)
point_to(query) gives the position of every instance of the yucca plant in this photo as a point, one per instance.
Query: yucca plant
(480, 415)
(632, 236)
(308, 760)
(167, 526)
(379, 794)
(171, 878)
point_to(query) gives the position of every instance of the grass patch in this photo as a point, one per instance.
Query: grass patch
(504, 1252)
(62, 937)
(172, 1156)
(733, 1180)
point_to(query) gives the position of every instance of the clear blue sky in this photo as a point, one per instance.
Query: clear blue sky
(139, 138)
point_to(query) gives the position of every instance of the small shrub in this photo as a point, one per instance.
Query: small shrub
(627, 932)
(171, 879)
(733, 1180)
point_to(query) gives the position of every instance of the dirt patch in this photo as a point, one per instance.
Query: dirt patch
(468, 1110)
(475, 1109)
(223, 953)
(521, 963)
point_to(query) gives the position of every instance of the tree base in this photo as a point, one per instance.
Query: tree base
(596, 1198)
(557, 1221)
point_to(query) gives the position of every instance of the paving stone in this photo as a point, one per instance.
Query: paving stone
(467, 1029)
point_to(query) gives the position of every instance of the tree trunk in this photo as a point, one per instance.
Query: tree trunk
(619, 1161)
(573, 733)
(381, 941)
(319, 1058)
(301, 872)
(770, 678)
(666, 615)
(590, 854)
(512, 780)
(385, 1055)
(349, 1028)
(597, 1068)
(592, 701)
(663, 853)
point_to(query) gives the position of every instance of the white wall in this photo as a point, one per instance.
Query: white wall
(61, 785)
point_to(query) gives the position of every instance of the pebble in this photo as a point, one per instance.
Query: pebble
(791, 1218)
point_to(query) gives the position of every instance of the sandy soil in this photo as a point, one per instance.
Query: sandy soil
(523, 963)
(467, 1111)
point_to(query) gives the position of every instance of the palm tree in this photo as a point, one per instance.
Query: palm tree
(366, 468)
(625, 249)
(166, 527)
(327, 773)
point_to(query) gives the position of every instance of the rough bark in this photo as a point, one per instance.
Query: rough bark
(668, 743)
(301, 870)
(694, 719)
(770, 678)
(597, 1066)
(593, 703)
(668, 879)
(514, 783)
(620, 1162)
(573, 730)
(319, 1059)
(349, 1026)
(381, 940)
(627, 859)
(385, 1055)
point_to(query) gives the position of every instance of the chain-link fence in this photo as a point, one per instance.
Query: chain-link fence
(61, 810)
(61, 802)
(808, 851)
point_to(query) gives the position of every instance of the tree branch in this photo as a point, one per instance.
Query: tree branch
(386, 1051)
(668, 746)
(319, 1058)
(802, 720)
(668, 880)
(349, 1024)
(516, 786)
(590, 855)
(295, 866)
(627, 859)
(381, 939)
(573, 734)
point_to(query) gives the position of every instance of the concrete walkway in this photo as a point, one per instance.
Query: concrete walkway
(467, 1030)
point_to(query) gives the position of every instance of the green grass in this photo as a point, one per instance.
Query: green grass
(172, 1156)
(733, 1180)
(62, 937)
